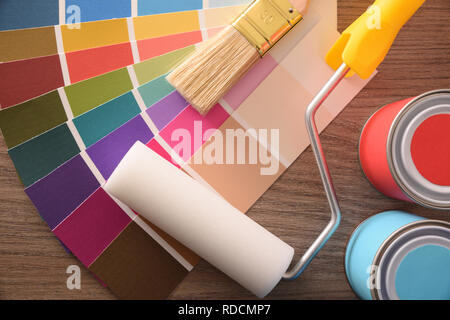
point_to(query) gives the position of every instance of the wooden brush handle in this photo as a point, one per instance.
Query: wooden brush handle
(300, 5)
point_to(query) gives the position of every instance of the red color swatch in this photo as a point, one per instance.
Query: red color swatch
(25, 79)
(154, 47)
(89, 63)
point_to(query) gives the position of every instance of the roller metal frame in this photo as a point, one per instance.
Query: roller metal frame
(316, 145)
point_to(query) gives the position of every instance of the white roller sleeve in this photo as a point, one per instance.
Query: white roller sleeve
(200, 219)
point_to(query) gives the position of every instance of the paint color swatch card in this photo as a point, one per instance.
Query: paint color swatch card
(38, 42)
(106, 96)
(39, 60)
(19, 14)
(66, 143)
(73, 101)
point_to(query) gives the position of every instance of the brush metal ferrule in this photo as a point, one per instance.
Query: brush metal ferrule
(265, 22)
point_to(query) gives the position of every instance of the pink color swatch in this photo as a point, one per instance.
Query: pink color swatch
(155, 146)
(92, 227)
(250, 82)
(189, 130)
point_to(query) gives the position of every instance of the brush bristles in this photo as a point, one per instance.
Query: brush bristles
(205, 77)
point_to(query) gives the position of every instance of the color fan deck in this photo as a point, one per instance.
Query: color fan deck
(67, 137)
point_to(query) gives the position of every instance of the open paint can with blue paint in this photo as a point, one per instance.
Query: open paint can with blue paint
(396, 255)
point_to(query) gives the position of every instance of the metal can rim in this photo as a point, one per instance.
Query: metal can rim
(394, 236)
(400, 181)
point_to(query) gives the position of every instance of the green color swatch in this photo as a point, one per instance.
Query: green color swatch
(152, 68)
(85, 95)
(155, 90)
(37, 157)
(100, 121)
(29, 119)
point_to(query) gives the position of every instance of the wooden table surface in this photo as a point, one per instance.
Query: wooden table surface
(33, 263)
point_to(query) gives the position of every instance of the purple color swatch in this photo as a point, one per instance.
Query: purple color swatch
(108, 152)
(63, 190)
(165, 110)
(92, 227)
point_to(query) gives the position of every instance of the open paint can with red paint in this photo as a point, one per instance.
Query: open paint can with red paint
(404, 149)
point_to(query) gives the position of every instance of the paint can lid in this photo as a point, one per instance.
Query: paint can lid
(418, 149)
(414, 263)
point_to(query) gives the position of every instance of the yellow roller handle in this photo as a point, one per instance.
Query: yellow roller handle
(366, 42)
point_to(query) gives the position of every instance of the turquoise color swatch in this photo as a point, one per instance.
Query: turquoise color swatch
(155, 90)
(99, 122)
(39, 156)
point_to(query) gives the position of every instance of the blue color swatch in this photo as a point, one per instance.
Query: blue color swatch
(163, 6)
(93, 10)
(20, 14)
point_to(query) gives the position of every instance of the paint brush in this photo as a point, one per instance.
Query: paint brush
(207, 75)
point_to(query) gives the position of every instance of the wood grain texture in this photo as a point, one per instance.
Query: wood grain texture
(33, 263)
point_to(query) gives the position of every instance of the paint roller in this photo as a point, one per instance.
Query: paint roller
(206, 223)
(200, 219)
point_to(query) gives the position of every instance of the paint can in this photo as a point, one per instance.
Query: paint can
(404, 150)
(397, 255)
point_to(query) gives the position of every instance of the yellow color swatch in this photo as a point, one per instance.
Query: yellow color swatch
(159, 25)
(222, 16)
(94, 34)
